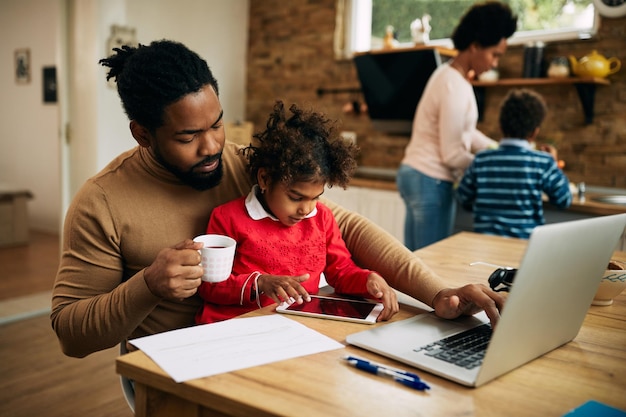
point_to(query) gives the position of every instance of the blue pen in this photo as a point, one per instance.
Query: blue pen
(406, 378)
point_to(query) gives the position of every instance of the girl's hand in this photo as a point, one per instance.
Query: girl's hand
(378, 288)
(282, 287)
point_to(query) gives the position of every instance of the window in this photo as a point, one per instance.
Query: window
(363, 23)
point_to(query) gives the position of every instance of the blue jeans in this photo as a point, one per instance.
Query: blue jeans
(430, 207)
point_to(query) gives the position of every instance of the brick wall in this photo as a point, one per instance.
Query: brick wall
(290, 57)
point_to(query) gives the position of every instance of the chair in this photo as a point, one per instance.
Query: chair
(127, 385)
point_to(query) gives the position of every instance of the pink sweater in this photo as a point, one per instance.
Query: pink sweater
(444, 135)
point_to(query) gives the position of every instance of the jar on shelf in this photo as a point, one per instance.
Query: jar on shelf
(559, 68)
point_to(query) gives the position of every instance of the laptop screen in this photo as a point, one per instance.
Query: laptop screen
(392, 84)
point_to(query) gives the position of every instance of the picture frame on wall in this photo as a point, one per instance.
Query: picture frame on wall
(22, 66)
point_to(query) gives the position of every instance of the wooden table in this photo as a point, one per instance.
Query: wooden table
(592, 366)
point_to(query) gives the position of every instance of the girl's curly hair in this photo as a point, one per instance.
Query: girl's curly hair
(301, 148)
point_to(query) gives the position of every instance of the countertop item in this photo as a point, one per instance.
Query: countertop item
(594, 65)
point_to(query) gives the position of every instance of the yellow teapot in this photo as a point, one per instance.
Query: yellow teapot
(594, 65)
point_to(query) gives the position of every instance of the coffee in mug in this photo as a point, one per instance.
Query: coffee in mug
(217, 256)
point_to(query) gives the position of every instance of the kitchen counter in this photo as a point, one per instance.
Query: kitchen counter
(385, 179)
(596, 208)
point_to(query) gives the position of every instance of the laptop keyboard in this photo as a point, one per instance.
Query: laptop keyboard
(465, 349)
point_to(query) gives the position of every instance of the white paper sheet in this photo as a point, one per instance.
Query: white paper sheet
(226, 346)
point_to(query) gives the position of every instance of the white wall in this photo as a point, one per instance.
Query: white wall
(29, 129)
(217, 30)
(31, 148)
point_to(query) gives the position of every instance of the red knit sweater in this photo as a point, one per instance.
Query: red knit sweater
(312, 246)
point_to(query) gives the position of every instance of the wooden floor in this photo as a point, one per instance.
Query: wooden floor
(36, 379)
(29, 269)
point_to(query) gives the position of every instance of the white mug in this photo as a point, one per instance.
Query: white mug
(217, 256)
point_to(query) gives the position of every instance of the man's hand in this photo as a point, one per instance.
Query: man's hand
(378, 288)
(176, 272)
(282, 287)
(470, 299)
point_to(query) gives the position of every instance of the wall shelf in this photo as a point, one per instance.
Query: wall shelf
(586, 87)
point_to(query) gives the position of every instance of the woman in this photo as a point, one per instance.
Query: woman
(444, 136)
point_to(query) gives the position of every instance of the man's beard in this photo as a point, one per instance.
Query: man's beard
(198, 181)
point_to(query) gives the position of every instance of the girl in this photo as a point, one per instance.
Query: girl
(286, 238)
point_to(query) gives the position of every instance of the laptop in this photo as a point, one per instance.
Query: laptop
(552, 291)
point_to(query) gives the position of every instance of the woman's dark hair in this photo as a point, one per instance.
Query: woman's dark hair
(149, 78)
(522, 111)
(486, 24)
(301, 148)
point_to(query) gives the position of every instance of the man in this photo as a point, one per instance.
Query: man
(129, 267)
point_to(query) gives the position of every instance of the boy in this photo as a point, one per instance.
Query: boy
(504, 186)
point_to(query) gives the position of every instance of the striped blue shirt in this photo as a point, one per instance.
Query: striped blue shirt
(504, 188)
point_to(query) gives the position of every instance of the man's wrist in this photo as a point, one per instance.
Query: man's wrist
(437, 296)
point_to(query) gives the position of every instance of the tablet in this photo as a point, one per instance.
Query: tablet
(335, 308)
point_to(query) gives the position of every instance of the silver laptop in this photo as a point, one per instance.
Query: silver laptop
(552, 291)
